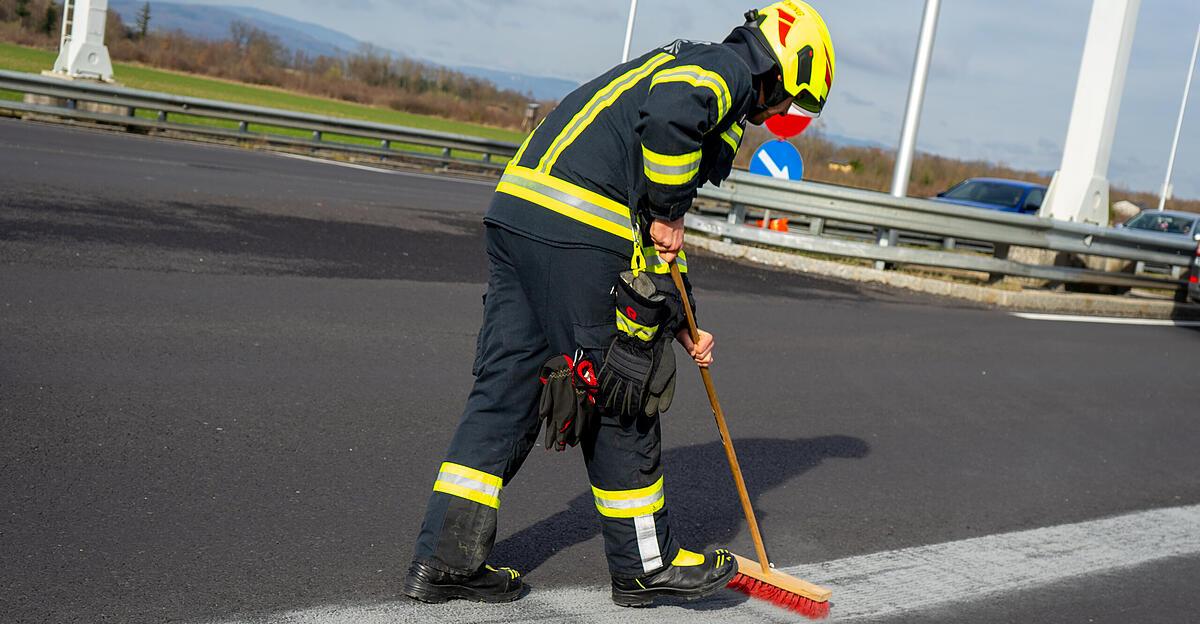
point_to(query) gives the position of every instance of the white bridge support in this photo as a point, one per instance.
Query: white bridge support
(81, 52)
(1079, 189)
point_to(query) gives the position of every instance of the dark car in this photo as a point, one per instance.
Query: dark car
(995, 194)
(1172, 223)
(1194, 277)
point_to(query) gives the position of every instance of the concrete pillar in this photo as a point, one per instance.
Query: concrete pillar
(1079, 189)
(82, 53)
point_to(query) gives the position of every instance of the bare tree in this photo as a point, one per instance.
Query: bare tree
(143, 21)
(49, 20)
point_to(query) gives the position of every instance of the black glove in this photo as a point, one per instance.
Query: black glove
(662, 383)
(661, 389)
(567, 401)
(636, 352)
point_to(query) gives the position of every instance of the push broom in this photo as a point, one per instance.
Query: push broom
(755, 578)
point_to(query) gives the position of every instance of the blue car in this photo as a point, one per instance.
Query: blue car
(995, 194)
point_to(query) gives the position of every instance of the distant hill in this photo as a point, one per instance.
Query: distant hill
(213, 22)
(541, 88)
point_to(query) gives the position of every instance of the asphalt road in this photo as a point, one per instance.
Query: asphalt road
(227, 378)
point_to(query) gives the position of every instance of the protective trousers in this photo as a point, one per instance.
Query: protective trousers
(541, 301)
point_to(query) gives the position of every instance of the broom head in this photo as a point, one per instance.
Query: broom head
(786, 591)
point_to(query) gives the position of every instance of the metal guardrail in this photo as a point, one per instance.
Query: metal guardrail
(836, 220)
(253, 122)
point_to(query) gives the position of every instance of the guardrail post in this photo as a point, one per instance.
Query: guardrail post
(243, 126)
(487, 158)
(316, 136)
(816, 226)
(162, 116)
(886, 238)
(385, 144)
(1000, 252)
(71, 103)
(736, 216)
(949, 243)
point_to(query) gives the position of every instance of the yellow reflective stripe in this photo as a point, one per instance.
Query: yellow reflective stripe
(670, 169)
(697, 77)
(567, 199)
(666, 160)
(655, 264)
(573, 190)
(465, 482)
(471, 473)
(634, 329)
(580, 204)
(600, 101)
(524, 144)
(733, 136)
(454, 489)
(564, 209)
(630, 503)
(669, 179)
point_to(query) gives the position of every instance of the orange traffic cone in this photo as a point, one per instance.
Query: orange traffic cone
(778, 225)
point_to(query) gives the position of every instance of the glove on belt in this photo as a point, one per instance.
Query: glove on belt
(568, 400)
(636, 377)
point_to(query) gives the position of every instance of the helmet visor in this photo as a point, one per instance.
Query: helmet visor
(805, 105)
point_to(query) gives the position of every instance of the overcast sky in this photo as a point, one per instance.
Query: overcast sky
(1001, 87)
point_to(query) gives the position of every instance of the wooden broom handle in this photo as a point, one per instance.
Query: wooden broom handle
(720, 416)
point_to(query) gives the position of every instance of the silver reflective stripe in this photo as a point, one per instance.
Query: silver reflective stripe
(632, 503)
(674, 170)
(720, 89)
(583, 118)
(468, 482)
(570, 200)
(647, 541)
(652, 260)
(733, 136)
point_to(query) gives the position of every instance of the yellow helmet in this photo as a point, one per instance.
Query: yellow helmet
(796, 36)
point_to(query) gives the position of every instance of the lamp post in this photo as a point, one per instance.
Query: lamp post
(1187, 85)
(916, 95)
(629, 30)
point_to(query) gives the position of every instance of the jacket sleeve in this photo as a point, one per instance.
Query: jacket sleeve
(686, 101)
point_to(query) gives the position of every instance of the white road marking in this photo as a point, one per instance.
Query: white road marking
(879, 585)
(410, 174)
(1112, 320)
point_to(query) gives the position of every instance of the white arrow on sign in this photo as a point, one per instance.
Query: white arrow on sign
(776, 172)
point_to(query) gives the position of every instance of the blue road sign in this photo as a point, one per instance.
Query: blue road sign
(778, 159)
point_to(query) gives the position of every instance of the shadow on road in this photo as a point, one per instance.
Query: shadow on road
(391, 241)
(700, 495)
(402, 243)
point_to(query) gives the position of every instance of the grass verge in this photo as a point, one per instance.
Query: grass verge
(34, 60)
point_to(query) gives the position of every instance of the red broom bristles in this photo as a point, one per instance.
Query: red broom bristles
(755, 588)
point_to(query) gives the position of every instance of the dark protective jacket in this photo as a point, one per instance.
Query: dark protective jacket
(646, 134)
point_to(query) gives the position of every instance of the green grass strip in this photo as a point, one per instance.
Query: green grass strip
(33, 60)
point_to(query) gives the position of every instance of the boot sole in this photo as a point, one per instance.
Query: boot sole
(645, 597)
(423, 591)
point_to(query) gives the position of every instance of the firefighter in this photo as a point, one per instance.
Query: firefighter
(578, 316)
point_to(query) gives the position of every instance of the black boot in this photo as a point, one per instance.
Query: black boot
(488, 584)
(689, 576)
